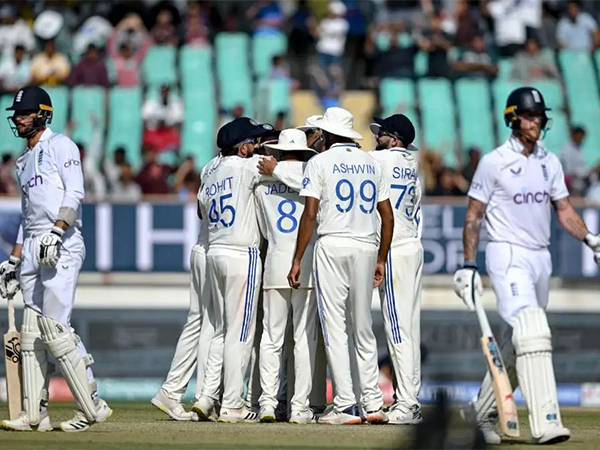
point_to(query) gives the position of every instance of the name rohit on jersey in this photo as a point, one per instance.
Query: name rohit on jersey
(279, 188)
(404, 173)
(218, 187)
(353, 168)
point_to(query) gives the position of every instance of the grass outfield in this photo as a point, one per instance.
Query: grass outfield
(140, 426)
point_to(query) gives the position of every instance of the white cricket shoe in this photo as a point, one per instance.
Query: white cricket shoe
(349, 416)
(554, 435)
(171, 407)
(303, 417)
(377, 417)
(236, 415)
(80, 423)
(205, 408)
(267, 414)
(398, 415)
(487, 424)
(21, 423)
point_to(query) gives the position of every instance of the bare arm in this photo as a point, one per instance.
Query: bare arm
(17, 251)
(387, 229)
(570, 219)
(475, 214)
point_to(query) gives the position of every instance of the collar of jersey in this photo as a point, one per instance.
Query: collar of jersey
(343, 145)
(398, 149)
(46, 134)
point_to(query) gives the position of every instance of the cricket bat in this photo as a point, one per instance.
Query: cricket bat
(12, 358)
(505, 401)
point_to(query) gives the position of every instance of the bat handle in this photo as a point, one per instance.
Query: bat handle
(11, 314)
(486, 330)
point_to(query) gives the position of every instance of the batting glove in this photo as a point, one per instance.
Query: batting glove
(467, 283)
(593, 242)
(9, 284)
(49, 248)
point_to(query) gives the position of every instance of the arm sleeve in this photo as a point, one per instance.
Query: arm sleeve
(483, 182)
(558, 189)
(260, 212)
(290, 173)
(384, 189)
(20, 234)
(70, 172)
(311, 183)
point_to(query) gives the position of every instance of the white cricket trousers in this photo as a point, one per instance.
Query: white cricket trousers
(192, 347)
(234, 277)
(276, 305)
(343, 271)
(51, 290)
(400, 295)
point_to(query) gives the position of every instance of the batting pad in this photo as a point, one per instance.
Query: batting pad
(35, 364)
(62, 345)
(533, 345)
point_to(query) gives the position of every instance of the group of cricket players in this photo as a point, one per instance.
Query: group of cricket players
(300, 229)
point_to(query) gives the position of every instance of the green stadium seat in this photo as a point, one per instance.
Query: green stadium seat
(396, 95)
(505, 66)
(198, 132)
(421, 64)
(232, 55)
(580, 81)
(473, 99)
(60, 104)
(125, 123)
(237, 90)
(437, 113)
(264, 47)
(8, 142)
(558, 135)
(552, 92)
(159, 66)
(88, 113)
(195, 66)
(278, 98)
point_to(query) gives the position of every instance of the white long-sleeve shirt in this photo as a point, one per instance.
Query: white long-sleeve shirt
(50, 178)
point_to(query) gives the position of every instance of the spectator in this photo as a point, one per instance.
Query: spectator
(8, 185)
(510, 29)
(15, 71)
(163, 117)
(476, 62)
(592, 197)
(153, 176)
(90, 70)
(127, 46)
(196, 28)
(236, 112)
(95, 30)
(266, 17)
(164, 32)
(471, 167)
(467, 27)
(574, 167)
(281, 71)
(187, 181)
(49, 67)
(436, 43)
(301, 41)
(578, 30)
(94, 182)
(395, 58)
(531, 65)
(126, 190)
(450, 183)
(331, 34)
(13, 31)
(112, 169)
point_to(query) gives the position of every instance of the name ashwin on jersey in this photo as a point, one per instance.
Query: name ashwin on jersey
(354, 168)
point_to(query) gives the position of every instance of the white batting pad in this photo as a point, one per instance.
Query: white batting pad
(533, 344)
(35, 364)
(62, 345)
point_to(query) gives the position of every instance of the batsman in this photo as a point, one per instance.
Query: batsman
(515, 187)
(45, 264)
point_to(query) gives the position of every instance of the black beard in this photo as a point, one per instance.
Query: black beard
(381, 147)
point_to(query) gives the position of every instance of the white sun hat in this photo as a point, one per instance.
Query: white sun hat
(48, 24)
(309, 124)
(291, 140)
(337, 121)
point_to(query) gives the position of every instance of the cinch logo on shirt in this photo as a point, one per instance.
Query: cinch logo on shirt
(71, 162)
(33, 182)
(353, 168)
(531, 197)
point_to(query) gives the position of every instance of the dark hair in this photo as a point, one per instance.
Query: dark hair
(577, 129)
(229, 151)
(120, 150)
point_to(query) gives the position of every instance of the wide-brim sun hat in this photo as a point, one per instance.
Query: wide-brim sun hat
(290, 140)
(309, 124)
(337, 121)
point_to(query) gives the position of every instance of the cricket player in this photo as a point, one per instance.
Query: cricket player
(514, 187)
(191, 352)
(344, 187)
(279, 211)
(400, 292)
(45, 264)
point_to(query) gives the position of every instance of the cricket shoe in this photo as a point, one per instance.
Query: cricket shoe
(487, 424)
(554, 435)
(205, 408)
(349, 416)
(400, 416)
(267, 414)
(303, 417)
(377, 417)
(80, 423)
(21, 423)
(173, 408)
(235, 415)
(281, 412)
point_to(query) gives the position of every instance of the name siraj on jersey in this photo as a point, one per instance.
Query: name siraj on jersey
(354, 168)
(404, 172)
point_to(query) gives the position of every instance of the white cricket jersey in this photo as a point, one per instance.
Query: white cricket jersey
(203, 234)
(50, 177)
(401, 170)
(518, 191)
(279, 211)
(348, 183)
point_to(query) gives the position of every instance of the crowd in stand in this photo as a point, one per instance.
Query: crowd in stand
(333, 46)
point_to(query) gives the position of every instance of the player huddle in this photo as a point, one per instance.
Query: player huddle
(299, 230)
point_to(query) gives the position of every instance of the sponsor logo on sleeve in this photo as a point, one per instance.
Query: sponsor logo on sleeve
(305, 182)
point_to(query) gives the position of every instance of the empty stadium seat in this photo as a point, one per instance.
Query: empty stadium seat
(505, 66)
(60, 104)
(473, 100)
(88, 113)
(159, 66)
(264, 47)
(278, 97)
(195, 65)
(580, 82)
(8, 142)
(235, 91)
(125, 123)
(437, 114)
(232, 55)
(396, 95)
(198, 131)
(558, 135)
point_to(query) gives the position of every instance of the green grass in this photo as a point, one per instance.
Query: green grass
(140, 426)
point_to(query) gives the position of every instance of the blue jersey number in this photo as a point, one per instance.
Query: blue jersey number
(344, 190)
(287, 217)
(216, 213)
(405, 189)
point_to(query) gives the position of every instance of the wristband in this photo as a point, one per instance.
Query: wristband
(57, 231)
(470, 265)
